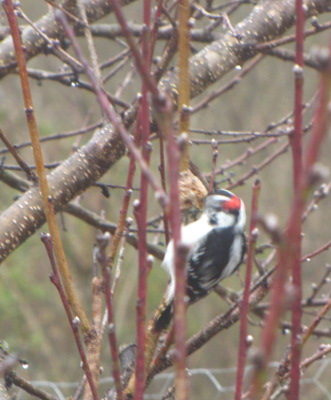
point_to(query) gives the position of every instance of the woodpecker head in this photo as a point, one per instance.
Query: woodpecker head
(224, 209)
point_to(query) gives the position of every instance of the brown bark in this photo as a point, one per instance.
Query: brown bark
(268, 20)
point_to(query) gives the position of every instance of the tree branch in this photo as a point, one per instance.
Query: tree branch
(267, 21)
(32, 41)
(71, 178)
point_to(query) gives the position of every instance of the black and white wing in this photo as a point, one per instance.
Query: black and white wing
(216, 257)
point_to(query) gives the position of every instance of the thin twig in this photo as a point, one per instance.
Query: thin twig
(288, 244)
(184, 78)
(296, 147)
(53, 45)
(111, 113)
(102, 242)
(37, 151)
(213, 166)
(244, 305)
(228, 86)
(143, 132)
(57, 136)
(74, 321)
(162, 169)
(139, 61)
(13, 151)
(180, 252)
(28, 387)
(291, 38)
(219, 323)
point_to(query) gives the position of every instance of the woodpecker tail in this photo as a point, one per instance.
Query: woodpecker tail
(163, 317)
(158, 323)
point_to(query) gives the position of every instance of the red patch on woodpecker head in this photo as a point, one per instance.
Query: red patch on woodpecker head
(232, 204)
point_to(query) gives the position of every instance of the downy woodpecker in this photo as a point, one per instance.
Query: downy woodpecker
(216, 245)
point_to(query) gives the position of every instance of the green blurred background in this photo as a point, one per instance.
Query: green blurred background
(32, 319)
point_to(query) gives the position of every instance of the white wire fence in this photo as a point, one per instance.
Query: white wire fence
(208, 384)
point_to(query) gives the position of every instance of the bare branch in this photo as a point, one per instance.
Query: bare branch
(35, 44)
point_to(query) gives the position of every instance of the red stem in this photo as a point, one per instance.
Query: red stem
(213, 166)
(296, 147)
(154, 31)
(318, 251)
(180, 268)
(107, 278)
(163, 112)
(139, 60)
(296, 137)
(287, 254)
(163, 182)
(103, 259)
(244, 307)
(140, 214)
(143, 130)
(110, 112)
(316, 321)
(112, 340)
(56, 280)
(289, 246)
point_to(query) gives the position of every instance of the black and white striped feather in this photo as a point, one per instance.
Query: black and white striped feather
(216, 245)
(218, 256)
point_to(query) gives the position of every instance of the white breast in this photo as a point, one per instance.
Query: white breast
(190, 235)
